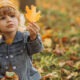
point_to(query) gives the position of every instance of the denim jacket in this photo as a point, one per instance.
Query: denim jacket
(18, 55)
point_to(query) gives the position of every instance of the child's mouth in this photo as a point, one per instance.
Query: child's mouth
(10, 25)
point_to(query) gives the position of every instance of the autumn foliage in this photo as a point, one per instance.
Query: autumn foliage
(31, 14)
(60, 30)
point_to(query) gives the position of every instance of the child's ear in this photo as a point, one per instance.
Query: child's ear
(0, 32)
(0, 35)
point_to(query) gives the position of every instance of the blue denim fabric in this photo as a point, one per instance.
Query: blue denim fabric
(18, 56)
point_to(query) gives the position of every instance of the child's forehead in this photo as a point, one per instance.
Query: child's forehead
(7, 11)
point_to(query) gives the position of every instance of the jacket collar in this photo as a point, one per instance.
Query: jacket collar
(18, 37)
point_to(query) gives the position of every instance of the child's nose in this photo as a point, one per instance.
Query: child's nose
(8, 19)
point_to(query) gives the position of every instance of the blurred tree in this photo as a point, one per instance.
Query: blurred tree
(23, 3)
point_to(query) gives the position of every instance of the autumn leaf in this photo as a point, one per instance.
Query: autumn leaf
(73, 74)
(11, 76)
(9, 41)
(47, 35)
(77, 19)
(47, 42)
(65, 71)
(32, 15)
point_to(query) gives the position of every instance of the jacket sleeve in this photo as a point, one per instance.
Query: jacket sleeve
(34, 74)
(1, 76)
(2, 72)
(34, 46)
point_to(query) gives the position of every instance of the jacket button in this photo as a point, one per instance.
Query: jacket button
(7, 57)
(14, 67)
(21, 50)
(11, 56)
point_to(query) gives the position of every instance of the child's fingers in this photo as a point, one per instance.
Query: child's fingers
(3, 78)
(33, 33)
(34, 25)
(32, 29)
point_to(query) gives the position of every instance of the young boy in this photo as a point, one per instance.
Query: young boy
(17, 54)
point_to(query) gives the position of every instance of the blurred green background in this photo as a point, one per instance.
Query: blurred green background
(60, 31)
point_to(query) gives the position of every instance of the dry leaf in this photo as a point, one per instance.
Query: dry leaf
(73, 74)
(47, 42)
(61, 63)
(9, 41)
(32, 15)
(64, 39)
(11, 76)
(47, 35)
(59, 50)
(69, 63)
(77, 64)
(65, 71)
(74, 58)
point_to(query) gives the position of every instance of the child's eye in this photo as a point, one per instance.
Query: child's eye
(2, 18)
(12, 16)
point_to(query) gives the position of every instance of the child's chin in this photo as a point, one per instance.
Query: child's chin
(12, 30)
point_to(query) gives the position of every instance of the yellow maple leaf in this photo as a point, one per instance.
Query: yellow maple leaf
(32, 15)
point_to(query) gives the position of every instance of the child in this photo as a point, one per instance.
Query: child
(16, 55)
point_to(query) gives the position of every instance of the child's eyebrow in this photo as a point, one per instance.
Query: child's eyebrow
(7, 13)
(2, 15)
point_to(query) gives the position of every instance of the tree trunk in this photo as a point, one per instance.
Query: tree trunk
(23, 3)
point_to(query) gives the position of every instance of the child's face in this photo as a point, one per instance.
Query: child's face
(9, 19)
(8, 23)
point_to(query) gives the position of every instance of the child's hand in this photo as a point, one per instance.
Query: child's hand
(34, 29)
(3, 78)
(10, 76)
(15, 78)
